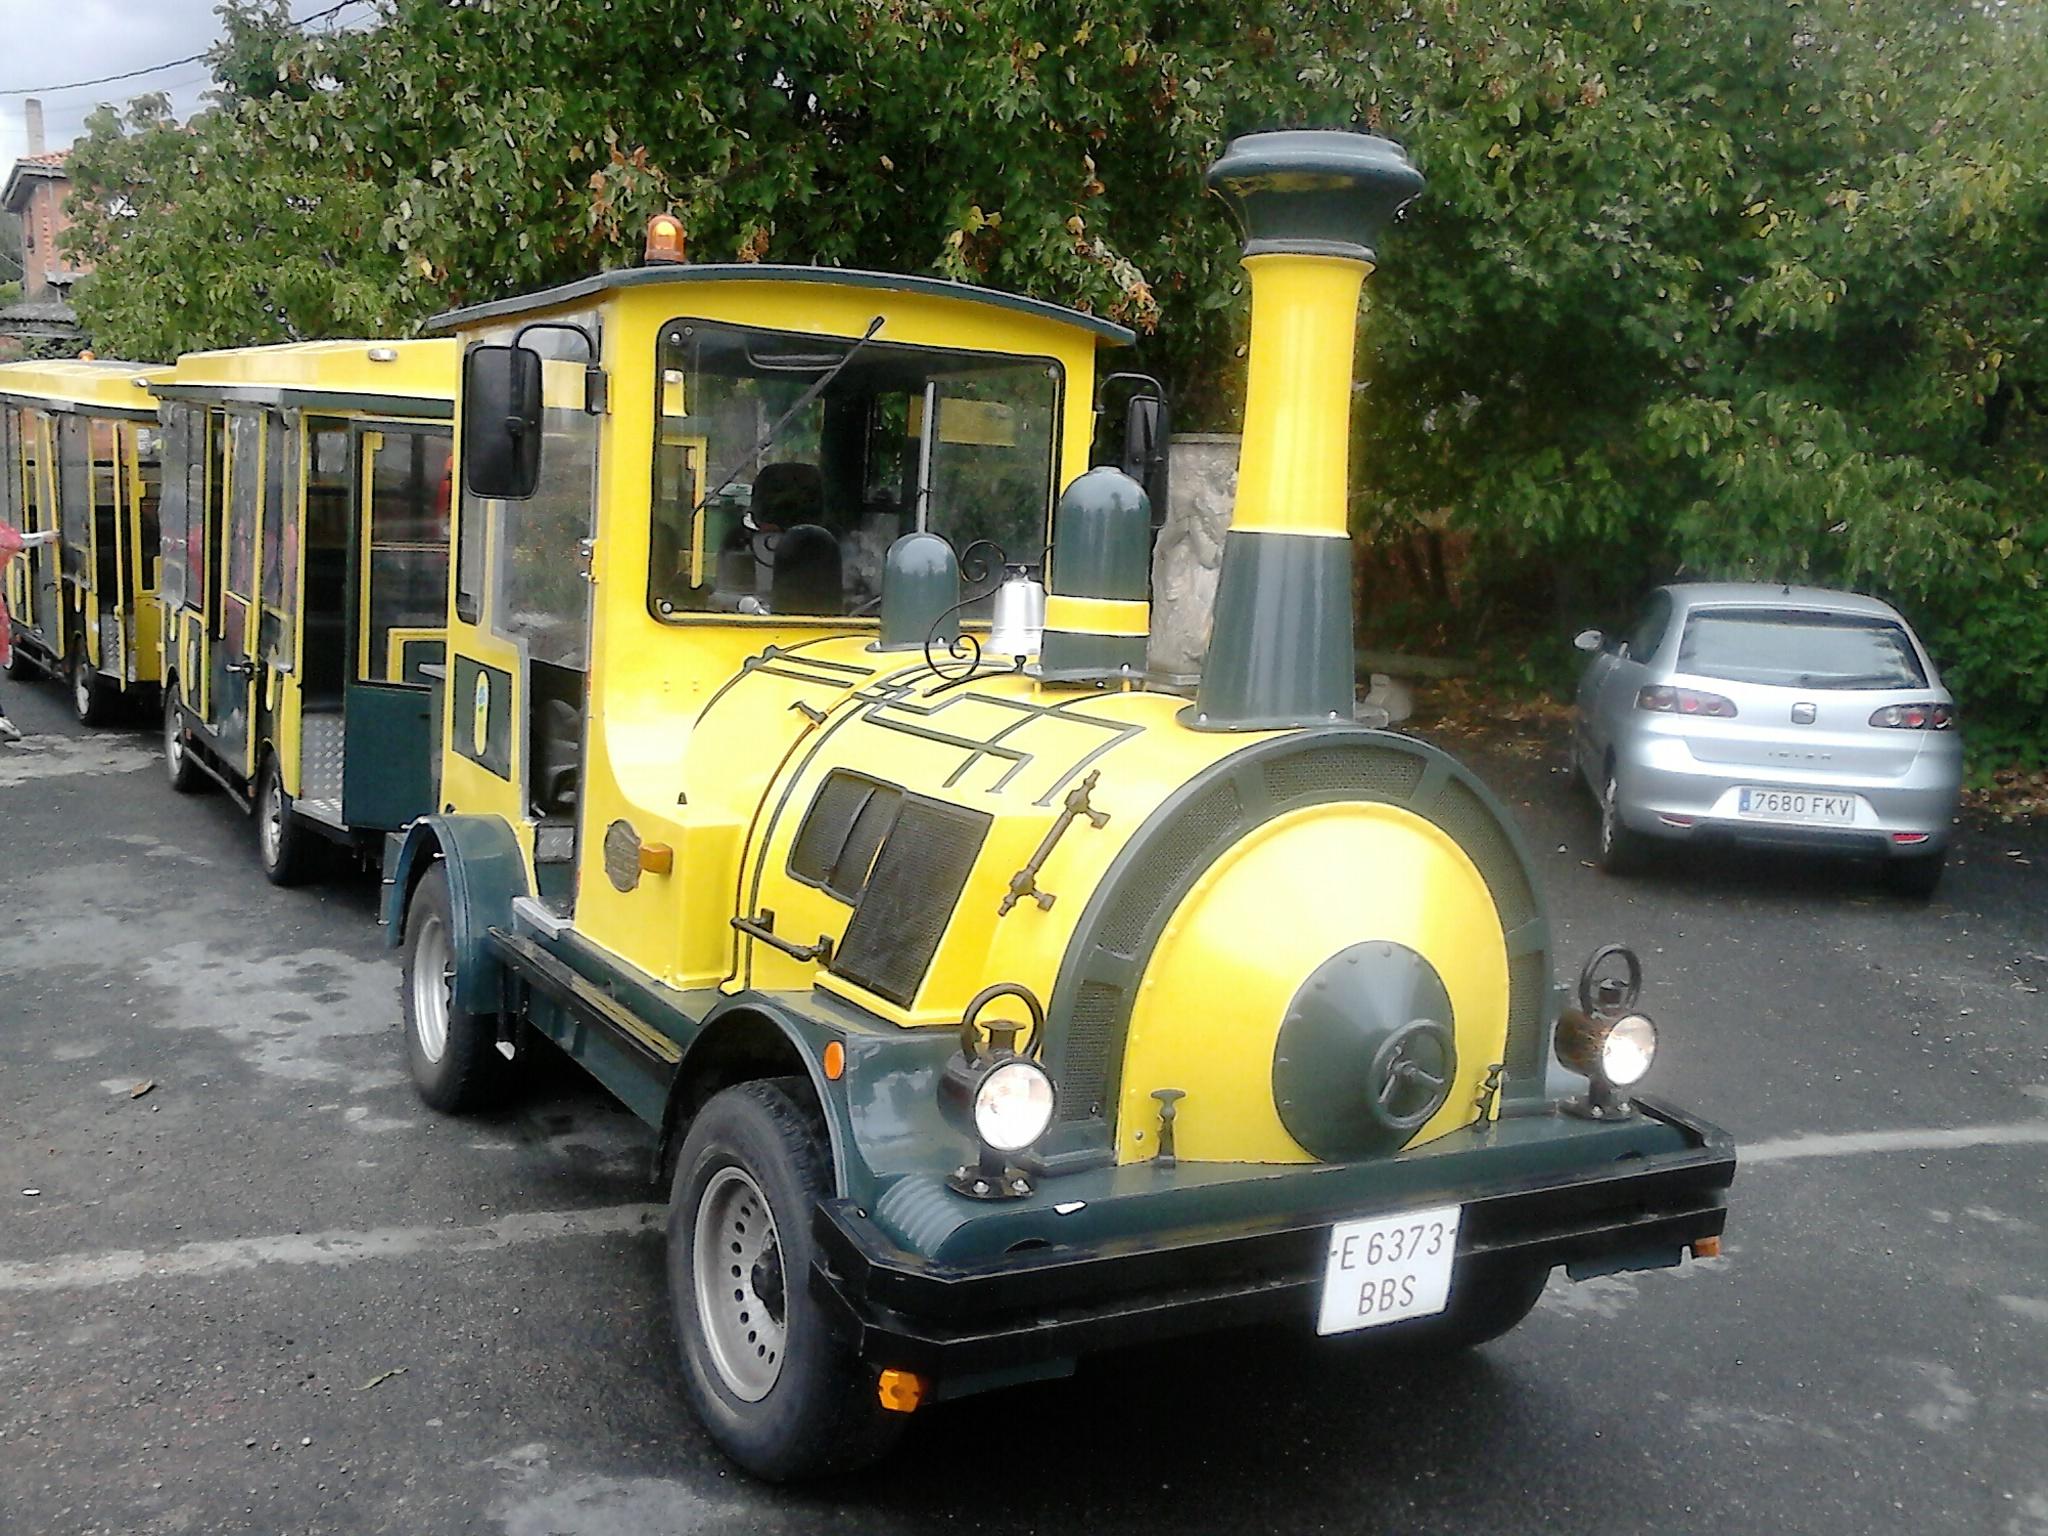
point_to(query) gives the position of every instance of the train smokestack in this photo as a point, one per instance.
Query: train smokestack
(1311, 205)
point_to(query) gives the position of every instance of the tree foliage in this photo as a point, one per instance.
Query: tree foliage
(1706, 286)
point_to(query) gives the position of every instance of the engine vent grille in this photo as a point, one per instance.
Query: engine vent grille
(842, 832)
(909, 897)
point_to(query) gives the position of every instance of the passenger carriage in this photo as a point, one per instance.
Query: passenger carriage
(304, 592)
(80, 453)
(989, 1005)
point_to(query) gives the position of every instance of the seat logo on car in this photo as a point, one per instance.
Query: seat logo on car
(1802, 714)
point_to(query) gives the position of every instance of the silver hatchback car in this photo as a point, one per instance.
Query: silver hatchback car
(1769, 714)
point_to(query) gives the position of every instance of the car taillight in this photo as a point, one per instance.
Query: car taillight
(1684, 701)
(1915, 717)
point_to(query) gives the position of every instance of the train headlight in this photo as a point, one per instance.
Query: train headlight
(1606, 1039)
(1628, 1050)
(1013, 1105)
(995, 1093)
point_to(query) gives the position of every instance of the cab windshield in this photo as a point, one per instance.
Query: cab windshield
(779, 484)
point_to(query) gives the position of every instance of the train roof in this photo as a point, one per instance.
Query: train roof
(91, 385)
(412, 378)
(765, 272)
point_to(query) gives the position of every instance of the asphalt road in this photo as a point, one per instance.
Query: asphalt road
(274, 1294)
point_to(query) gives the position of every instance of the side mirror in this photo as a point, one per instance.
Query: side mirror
(501, 422)
(1148, 425)
(1589, 640)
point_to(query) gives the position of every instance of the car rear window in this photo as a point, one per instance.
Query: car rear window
(1799, 650)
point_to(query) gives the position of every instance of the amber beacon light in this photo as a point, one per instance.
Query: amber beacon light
(664, 240)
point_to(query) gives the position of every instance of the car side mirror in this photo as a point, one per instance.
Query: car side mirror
(1589, 640)
(501, 406)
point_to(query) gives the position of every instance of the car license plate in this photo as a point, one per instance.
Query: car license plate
(1796, 805)
(1387, 1268)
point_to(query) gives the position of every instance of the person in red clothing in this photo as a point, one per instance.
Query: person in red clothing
(12, 543)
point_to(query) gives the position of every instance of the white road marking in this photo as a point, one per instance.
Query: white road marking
(1934, 1138)
(337, 1249)
(330, 1249)
(66, 757)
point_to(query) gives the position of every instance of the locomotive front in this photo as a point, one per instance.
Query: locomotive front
(994, 1005)
(1251, 1007)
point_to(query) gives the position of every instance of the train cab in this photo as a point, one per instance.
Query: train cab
(989, 1003)
(81, 454)
(305, 569)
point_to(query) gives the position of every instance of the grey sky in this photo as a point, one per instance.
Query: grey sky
(51, 41)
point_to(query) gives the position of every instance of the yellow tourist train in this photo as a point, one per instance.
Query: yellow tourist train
(304, 585)
(80, 454)
(990, 1003)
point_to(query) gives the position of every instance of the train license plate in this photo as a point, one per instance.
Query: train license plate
(1797, 805)
(1388, 1267)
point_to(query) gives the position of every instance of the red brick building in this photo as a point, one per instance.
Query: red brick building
(35, 192)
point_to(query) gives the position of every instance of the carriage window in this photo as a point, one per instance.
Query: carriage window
(408, 565)
(245, 474)
(105, 439)
(786, 465)
(147, 490)
(280, 518)
(74, 496)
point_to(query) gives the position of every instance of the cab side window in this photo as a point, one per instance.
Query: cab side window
(1650, 629)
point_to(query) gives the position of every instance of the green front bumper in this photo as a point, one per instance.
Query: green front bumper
(931, 1282)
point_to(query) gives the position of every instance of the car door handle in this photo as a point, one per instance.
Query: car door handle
(243, 668)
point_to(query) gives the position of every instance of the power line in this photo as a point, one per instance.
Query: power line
(135, 74)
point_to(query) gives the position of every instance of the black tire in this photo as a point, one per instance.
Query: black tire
(468, 1073)
(184, 774)
(285, 846)
(20, 665)
(1622, 850)
(1489, 1297)
(817, 1412)
(1915, 879)
(93, 697)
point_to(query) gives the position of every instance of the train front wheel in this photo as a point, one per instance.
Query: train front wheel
(456, 1064)
(776, 1387)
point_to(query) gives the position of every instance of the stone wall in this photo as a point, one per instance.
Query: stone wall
(1201, 489)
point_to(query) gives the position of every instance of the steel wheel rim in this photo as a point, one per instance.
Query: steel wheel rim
(432, 979)
(736, 1255)
(81, 690)
(272, 821)
(174, 738)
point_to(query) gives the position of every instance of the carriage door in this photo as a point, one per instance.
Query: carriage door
(232, 697)
(401, 631)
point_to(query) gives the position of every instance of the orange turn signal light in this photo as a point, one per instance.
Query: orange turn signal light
(835, 1060)
(664, 239)
(1707, 1248)
(657, 858)
(900, 1391)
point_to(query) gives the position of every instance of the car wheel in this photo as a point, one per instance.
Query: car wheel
(1621, 850)
(284, 846)
(91, 696)
(1915, 879)
(453, 1053)
(184, 774)
(772, 1381)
